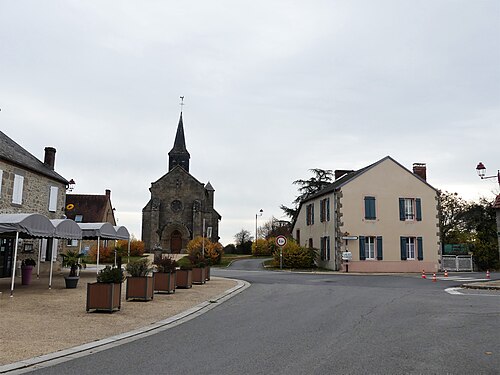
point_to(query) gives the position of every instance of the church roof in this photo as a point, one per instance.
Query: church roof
(180, 141)
(209, 186)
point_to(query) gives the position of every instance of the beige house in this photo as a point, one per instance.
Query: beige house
(384, 215)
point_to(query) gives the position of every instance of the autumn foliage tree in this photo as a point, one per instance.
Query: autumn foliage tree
(212, 250)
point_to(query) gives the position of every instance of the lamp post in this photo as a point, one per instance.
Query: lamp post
(481, 172)
(256, 216)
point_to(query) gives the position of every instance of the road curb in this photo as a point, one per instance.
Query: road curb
(95, 346)
(483, 286)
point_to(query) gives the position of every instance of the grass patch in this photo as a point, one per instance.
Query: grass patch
(228, 258)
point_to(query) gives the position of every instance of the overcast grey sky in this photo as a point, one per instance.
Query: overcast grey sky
(272, 89)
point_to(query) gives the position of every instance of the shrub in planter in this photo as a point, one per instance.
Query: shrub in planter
(139, 284)
(164, 278)
(105, 294)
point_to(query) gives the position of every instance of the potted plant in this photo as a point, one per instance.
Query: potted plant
(199, 276)
(164, 278)
(105, 294)
(139, 284)
(184, 275)
(27, 270)
(72, 260)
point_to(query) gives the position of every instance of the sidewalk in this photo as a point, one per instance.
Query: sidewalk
(38, 321)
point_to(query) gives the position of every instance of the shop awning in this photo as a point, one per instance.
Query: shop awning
(66, 228)
(27, 225)
(98, 230)
(122, 233)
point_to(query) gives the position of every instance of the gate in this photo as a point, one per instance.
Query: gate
(457, 262)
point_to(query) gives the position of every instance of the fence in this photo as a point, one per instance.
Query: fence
(457, 263)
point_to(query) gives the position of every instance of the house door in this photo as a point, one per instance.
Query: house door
(176, 242)
(6, 256)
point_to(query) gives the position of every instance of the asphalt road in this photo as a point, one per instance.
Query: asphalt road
(289, 323)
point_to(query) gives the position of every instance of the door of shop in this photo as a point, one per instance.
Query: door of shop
(6, 255)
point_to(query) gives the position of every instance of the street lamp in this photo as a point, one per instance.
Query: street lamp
(481, 172)
(257, 215)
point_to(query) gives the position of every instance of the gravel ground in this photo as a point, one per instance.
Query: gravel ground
(39, 321)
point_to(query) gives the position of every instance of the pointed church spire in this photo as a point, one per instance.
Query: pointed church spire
(179, 154)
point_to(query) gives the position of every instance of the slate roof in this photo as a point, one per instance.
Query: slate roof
(13, 153)
(180, 140)
(91, 207)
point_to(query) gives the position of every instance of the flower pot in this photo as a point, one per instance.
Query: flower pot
(184, 279)
(199, 275)
(71, 281)
(164, 282)
(26, 272)
(207, 273)
(104, 296)
(139, 287)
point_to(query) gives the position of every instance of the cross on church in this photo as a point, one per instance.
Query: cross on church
(182, 102)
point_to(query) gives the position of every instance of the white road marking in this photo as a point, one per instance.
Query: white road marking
(455, 291)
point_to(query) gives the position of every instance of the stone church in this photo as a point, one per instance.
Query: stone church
(181, 207)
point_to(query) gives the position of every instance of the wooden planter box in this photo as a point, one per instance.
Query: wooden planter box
(164, 282)
(139, 288)
(104, 296)
(199, 275)
(184, 279)
(207, 273)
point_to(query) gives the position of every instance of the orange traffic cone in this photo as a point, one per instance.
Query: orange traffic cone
(445, 273)
(423, 275)
(434, 278)
(487, 274)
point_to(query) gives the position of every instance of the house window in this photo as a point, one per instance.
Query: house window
(72, 243)
(54, 190)
(412, 248)
(297, 235)
(325, 248)
(410, 209)
(78, 218)
(310, 214)
(311, 243)
(324, 210)
(17, 194)
(369, 247)
(370, 208)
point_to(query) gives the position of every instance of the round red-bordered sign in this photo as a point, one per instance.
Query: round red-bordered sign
(281, 241)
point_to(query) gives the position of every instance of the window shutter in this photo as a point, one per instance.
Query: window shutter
(312, 213)
(17, 194)
(403, 248)
(328, 248)
(401, 209)
(362, 248)
(370, 208)
(53, 198)
(379, 248)
(418, 203)
(1, 174)
(420, 249)
(328, 209)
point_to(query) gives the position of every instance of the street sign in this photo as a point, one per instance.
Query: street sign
(350, 237)
(346, 255)
(281, 241)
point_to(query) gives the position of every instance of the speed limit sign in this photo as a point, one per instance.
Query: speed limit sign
(281, 241)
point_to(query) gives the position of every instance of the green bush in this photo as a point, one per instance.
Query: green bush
(139, 267)
(110, 275)
(295, 256)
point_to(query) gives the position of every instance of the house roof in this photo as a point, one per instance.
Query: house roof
(13, 153)
(496, 204)
(91, 207)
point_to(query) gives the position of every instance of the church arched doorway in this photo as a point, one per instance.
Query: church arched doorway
(176, 242)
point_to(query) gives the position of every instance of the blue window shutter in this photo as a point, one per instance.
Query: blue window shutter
(401, 209)
(362, 248)
(418, 203)
(367, 208)
(328, 248)
(420, 248)
(370, 208)
(379, 248)
(403, 248)
(312, 213)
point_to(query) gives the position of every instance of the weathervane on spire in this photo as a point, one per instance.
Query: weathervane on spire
(182, 102)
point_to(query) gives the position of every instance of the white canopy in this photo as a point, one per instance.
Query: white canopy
(66, 228)
(122, 233)
(27, 225)
(98, 230)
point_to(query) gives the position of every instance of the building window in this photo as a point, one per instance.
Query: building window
(324, 248)
(17, 194)
(297, 236)
(310, 214)
(310, 243)
(370, 208)
(1, 179)
(324, 210)
(72, 243)
(412, 248)
(369, 247)
(78, 218)
(54, 190)
(410, 209)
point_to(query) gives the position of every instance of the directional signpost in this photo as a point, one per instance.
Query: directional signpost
(281, 241)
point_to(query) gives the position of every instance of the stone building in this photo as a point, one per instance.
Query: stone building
(181, 207)
(28, 185)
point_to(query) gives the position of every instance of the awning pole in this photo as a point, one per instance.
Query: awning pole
(116, 241)
(128, 254)
(52, 262)
(39, 258)
(98, 243)
(14, 266)
(79, 252)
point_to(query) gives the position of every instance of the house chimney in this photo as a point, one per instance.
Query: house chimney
(341, 172)
(50, 157)
(420, 169)
(108, 193)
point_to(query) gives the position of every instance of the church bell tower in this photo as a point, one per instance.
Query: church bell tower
(179, 155)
